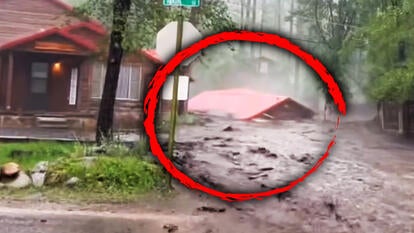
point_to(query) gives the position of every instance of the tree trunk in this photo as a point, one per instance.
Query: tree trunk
(121, 9)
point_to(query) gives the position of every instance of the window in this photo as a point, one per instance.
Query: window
(40, 73)
(73, 86)
(129, 83)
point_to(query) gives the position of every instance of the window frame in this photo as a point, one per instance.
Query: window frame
(130, 66)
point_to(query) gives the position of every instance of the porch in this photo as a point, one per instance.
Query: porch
(39, 83)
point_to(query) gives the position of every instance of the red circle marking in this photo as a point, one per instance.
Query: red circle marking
(151, 100)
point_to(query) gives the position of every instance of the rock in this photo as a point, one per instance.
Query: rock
(21, 181)
(39, 173)
(38, 178)
(10, 169)
(40, 167)
(72, 181)
(170, 227)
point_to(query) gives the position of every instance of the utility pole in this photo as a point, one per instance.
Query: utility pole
(173, 117)
(163, 37)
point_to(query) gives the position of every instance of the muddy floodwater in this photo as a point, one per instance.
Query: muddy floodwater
(365, 185)
(242, 157)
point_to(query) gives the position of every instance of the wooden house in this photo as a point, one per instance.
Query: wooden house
(52, 69)
(397, 118)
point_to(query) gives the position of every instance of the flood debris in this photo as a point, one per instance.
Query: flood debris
(207, 179)
(211, 138)
(258, 176)
(284, 196)
(170, 228)
(229, 129)
(211, 209)
(271, 155)
(258, 105)
(260, 150)
(305, 158)
(221, 145)
(266, 169)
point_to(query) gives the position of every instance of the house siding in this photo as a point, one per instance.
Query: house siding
(24, 18)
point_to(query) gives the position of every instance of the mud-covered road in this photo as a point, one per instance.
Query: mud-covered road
(365, 185)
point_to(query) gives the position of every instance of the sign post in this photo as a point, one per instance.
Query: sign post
(185, 3)
(178, 47)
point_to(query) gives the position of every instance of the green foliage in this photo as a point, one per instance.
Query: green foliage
(120, 171)
(108, 174)
(146, 18)
(331, 23)
(387, 39)
(395, 85)
(28, 154)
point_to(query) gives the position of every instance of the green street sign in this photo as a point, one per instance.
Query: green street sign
(185, 3)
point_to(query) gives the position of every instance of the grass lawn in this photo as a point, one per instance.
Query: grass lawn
(28, 154)
(122, 175)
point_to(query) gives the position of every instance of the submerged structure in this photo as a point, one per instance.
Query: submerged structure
(245, 104)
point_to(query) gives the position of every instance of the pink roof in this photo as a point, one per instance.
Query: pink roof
(152, 55)
(243, 104)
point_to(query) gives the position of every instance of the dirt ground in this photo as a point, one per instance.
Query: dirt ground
(365, 185)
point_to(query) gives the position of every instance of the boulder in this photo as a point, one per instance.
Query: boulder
(21, 181)
(41, 167)
(39, 173)
(38, 179)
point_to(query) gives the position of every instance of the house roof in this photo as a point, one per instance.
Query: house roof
(63, 32)
(152, 55)
(242, 104)
(30, 20)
